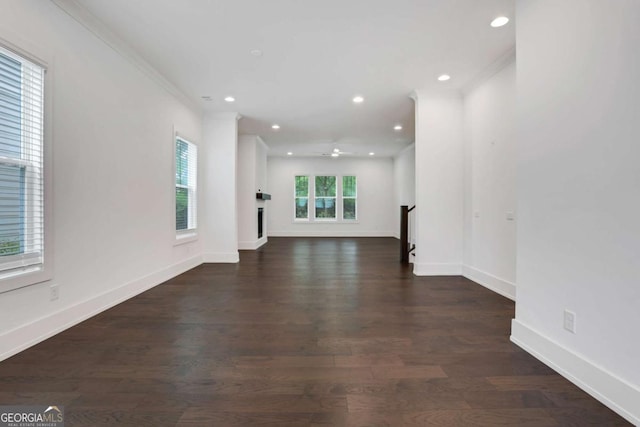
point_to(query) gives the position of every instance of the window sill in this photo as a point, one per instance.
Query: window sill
(10, 281)
(326, 221)
(185, 237)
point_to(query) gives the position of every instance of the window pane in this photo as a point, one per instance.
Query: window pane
(21, 170)
(12, 195)
(349, 186)
(182, 162)
(10, 107)
(186, 184)
(182, 208)
(326, 207)
(349, 209)
(302, 186)
(302, 207)
(325, 186)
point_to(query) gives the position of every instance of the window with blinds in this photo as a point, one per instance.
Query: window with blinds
(21, 165)
(186, 185)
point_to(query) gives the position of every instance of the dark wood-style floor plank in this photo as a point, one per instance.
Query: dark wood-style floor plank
(302, 332)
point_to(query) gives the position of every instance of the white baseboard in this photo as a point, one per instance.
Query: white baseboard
(437, 269)
(25, 336)
(252, 245)
(331, 233)
(221, 257)
(604, 386)
(491, 282)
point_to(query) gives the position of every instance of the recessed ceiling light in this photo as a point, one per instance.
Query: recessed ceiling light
(444, 77)
(358, 99)
(275, 127)
(229, 99)
(334, 154)
(397, 127)
(372, 153)
(256, 52)
(336, 150)
(289, 153)
(499, 21)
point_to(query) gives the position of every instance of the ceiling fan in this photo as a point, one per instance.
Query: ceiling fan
(336, 152)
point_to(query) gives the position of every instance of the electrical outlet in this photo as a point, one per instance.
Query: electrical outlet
(476, 214)
(570, 321)
(511, 216)
(54, 292)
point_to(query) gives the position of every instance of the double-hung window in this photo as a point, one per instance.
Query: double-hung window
(349, 197)
(302, 197)
(186, 186)
(22, 210)
(325, 195)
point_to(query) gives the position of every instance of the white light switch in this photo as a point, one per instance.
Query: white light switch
(570, 321)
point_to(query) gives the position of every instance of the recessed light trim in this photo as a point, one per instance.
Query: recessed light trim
(206, 98)
(500, 21)
(397, 127)
(229, 99)
(358, 99)
(444, 77)
(256, 52)
(275, 127)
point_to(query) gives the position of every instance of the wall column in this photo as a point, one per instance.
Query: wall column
(439, 184)
(219, 154)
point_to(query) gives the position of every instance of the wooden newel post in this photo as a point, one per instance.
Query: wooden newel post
(404, 234)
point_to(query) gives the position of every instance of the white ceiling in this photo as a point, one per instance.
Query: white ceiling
(316, 56)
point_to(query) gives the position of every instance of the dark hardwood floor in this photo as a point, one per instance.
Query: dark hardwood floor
(303, 332)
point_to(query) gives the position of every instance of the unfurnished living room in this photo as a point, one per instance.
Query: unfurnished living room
(335, 213)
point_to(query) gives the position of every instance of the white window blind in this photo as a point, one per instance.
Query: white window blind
(21, 165)
(186, 185)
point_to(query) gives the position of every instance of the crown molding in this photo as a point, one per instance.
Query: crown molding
(491, 70)
(81, 15)
(407, 148)
(421, 94)
(225, 115)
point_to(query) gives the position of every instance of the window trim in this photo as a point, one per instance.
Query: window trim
(335, 199)
(339, 219)
(190, 234)
(295, 197)
(43, 272)
(349, 220)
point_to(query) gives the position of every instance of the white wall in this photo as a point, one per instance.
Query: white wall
(490, 182)
(113, 186)
(578, 183)
(375, 196)
(404, 184)
(220, 161)
(439, 184)
(252, 178)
